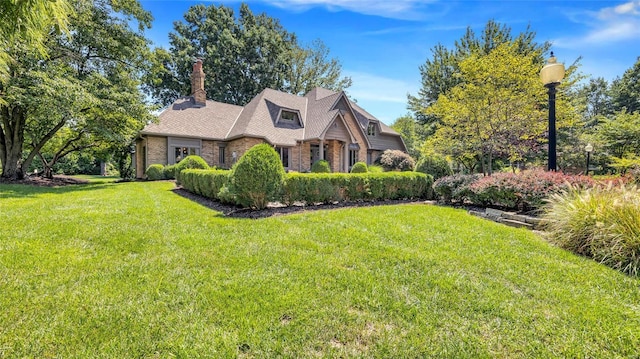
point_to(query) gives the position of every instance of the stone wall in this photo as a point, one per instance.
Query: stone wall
(239, 146)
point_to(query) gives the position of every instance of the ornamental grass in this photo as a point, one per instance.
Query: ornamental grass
(602, 222)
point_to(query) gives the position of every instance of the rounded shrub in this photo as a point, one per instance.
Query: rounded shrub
(321, 166)
(169, 171)
(359, 167)
(155, 172)
(193, 161)
(395, 160)
(434, 165)
(257, 177)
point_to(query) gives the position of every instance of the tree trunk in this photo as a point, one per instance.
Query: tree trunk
(11, 142)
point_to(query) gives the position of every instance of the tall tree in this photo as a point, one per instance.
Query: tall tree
(495, 111)
(441, 72)
(410, 131)
(88, 86)
(26, 24)
(626, 90)
(241, 57)
(311, 67)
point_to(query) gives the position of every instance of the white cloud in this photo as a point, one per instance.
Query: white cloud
(609, 25)
(397, 9)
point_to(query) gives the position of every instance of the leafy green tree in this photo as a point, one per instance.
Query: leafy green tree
(440, 74)
(26, 24)
(496, 109)
(241, 57)
(410, 131)
(311, 67)
(620, 134)
(84, 94)
(626, 90)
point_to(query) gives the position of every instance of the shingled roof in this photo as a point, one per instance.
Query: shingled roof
(259, 118)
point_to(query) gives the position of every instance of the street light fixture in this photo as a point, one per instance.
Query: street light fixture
(588, 148)
(551, 75)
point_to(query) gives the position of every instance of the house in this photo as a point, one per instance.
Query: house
(303, 129)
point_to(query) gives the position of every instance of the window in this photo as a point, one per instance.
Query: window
(371, 129)
(182, 152)
(288, 116)
(353, 157)
(284, 156)
(221, 155)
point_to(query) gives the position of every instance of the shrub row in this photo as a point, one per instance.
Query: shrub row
(315, 188)
(157, 172)
(527, 190)
(341, 187)
(206, 183)
(602, 223)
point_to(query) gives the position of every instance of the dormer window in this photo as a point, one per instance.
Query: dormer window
(289, 117)
(371, 129)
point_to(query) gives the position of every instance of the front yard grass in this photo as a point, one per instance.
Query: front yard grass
(133, 270)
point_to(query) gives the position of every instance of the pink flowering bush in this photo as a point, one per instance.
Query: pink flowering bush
(527, 190)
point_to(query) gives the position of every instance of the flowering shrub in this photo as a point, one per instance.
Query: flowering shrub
(395, 160)
(455, 188)
(527, 190)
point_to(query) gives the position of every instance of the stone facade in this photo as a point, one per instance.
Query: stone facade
(239, 146)
(209, 152)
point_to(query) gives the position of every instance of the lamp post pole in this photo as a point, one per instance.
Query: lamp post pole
(552, 125)
(551, 75)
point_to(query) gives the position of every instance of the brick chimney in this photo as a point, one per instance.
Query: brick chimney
(197, 84)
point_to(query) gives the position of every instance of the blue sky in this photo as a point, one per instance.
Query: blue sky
(382, 43)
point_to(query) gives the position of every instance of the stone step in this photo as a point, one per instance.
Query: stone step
(516, 224)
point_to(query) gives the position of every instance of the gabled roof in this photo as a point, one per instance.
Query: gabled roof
(186, 119)
(259, 118)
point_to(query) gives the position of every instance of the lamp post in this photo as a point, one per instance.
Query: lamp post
(551, 75)
(588, 148)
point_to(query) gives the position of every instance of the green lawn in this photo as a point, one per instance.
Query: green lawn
(132, 270)
(97, 178)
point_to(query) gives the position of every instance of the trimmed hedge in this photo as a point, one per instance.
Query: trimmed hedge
(321, 166)
(206, 183)
(341, 187)
(359, 167)
(312, 188)
(192, 161)
(155, 172)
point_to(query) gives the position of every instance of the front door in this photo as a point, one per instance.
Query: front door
(315, 153)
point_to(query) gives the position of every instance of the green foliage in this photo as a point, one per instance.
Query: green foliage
(321, 166)
(243, 55)
(620, 134)
(155, 172)
(205, 182)
(375, 169)
(359, 167)
(626, 90)
(191, 161)
(411, 133)
(257, 177)
(435, 165)
(602, 223)
(341, 187)
(395, 160)
(310, 68)
(170, 172)
(86, 96)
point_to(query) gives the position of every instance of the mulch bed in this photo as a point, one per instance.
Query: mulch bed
(39, 181)
(278, 210)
